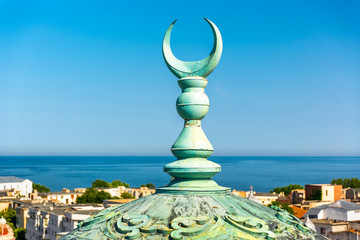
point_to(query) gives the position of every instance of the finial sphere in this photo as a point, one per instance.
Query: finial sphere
(200, 68)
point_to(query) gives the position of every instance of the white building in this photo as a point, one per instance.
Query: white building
(340, 210)
(36, 225)
(55, 225)
(11, 183)
(74, 217)
(136, 192)
(61, 197)
(50, 221)
(266, 198)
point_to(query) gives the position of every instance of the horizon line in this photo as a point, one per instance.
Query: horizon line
(96, 155)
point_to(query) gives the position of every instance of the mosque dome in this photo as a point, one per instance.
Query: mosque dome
(192, 205)
(6, 233)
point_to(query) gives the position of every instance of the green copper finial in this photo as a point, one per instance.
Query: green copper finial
(192, 171)
(200, 68)
(192, 206)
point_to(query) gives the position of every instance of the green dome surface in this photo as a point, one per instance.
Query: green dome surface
(175, 216)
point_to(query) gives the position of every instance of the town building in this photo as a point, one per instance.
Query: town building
(352, 194)
(337, 230)
(243, 194)
(284, 199)
(311, 204)
(297, 196)
(111, 202)
(82, 190)
(50, 220)
(266, 198)
(263, 198)
(22, 215)
(5, 204)
(16, 185)
(329, 193)
(340, 210)
(74, 216)
(136, 192)
(63, 197)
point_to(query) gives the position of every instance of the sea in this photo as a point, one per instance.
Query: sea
(263, 173)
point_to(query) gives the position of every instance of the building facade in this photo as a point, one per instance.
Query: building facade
(17, 185)
(329, 193)
(136, 192)
(341, 210)
(47, 222)
(64, 197)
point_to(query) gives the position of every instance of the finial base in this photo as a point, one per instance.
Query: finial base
(193, 187)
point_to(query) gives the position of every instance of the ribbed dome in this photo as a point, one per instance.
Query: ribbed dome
(6, 233)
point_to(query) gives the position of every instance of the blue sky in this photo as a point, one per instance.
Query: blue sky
(88, 77)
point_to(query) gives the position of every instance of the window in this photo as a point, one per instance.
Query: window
(322, 231)
(326, 192)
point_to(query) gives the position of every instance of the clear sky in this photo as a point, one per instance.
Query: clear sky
(88, 77)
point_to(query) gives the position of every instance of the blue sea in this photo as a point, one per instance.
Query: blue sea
(263, 173)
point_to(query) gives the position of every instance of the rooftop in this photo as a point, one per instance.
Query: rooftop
(328, 221)
(84, 212)
(58, 193)
(75, 208)
(343, 204)
(325, 184)
(266, 195)
(11, 179)
(298, 212)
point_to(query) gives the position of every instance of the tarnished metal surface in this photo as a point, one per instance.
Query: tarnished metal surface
(167, 216)
(192, 171)
(200, 68)
(192, 205)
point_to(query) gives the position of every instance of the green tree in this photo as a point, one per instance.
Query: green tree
(98, 183)
(10, 216)
(287, 190)
(149, 185)
(283, 206)
(316, 195)
(347, 182)
(338, 181)
(92, 195)
(101, 196)
(126, 195)
(40, 188)
(19, 233)
(117, 183)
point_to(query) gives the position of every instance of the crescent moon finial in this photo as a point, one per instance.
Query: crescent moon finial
(200, 68)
